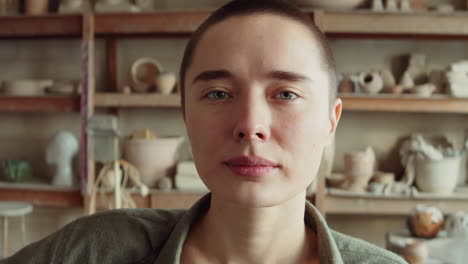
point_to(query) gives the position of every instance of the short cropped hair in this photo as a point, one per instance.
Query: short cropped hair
(248, 7)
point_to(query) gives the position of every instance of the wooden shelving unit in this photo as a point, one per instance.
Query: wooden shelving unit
(41, 194)
(157, 23)
(136, 100)
(367, 204)
(434, 104)
(40, 103)
(365, 24)
(40, 26)
(368, 23)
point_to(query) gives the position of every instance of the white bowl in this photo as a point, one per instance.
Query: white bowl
(26, 87)
(329, 4)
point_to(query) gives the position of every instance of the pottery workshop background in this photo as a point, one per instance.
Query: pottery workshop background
(27, 134)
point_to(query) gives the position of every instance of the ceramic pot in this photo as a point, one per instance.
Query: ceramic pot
(17, 170)
(143, 73)
(26, 87)
(425, 221)
(154, 158)
(456, 224)
(329, 4)
(415, 252)
(36, 7)
(424, 90)
(358, 169)
(346, 85)
(165, 82)
(370, 82)
(388, 79)
(407, 81)
(437, 176)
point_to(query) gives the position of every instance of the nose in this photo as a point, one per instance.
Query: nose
(252, 122)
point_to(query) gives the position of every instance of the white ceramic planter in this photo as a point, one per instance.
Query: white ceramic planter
(437, 176)
(152, 157)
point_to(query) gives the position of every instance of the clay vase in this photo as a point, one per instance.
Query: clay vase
(154, 158)
(370, 82)
(358, 169)
(165, 82)
(346, 85)
(36, 7)
(407, 81)
(388, 80)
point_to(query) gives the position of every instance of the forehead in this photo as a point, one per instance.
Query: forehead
(256, 43)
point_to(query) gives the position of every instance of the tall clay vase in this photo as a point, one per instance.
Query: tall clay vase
(165, 82)
(359, 168)
(371, 82)
(36, 7)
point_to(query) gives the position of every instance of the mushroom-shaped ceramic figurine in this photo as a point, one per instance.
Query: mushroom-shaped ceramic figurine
(61, 149)
(425, 221)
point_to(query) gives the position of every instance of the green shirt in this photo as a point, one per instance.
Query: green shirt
(153, 236)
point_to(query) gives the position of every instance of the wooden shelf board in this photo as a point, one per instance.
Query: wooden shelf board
(167, 22)
(136, 100)
(47, 25)
(49, 103)
(419, 23)
(156, 199)
(342, 204)
(41, 194)
(435, 104)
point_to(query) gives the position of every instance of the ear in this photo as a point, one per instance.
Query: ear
(335, 115)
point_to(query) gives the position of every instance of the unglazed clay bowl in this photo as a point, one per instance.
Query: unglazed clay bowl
(143, 74)
(329, 4)
(153, 158)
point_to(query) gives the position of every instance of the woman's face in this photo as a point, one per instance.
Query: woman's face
(257, 109)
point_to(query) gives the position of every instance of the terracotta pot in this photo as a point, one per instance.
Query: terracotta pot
(36, 7)
(425, 221)
(370, 82)
(154, 158)
(437, 176)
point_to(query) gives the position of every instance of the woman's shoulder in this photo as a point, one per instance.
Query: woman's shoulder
(354, 250)
(114, 236)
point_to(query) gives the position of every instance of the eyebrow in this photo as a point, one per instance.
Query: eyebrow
(212, 75)
(207, 76)
(288, 76)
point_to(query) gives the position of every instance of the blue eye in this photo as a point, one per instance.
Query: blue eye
(286, 96)
(217, 95)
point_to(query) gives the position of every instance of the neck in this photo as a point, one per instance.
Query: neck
(236, 234)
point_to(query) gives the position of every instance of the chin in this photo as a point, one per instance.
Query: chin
(257, 197)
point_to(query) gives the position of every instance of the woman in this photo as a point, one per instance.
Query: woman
(259, 104)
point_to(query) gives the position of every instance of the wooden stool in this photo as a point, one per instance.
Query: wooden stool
(13, 209)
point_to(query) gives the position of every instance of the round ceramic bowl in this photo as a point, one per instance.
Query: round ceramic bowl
(26, 87)
(143, 73)
(153, 158)
(329, 4)
(437, 176)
